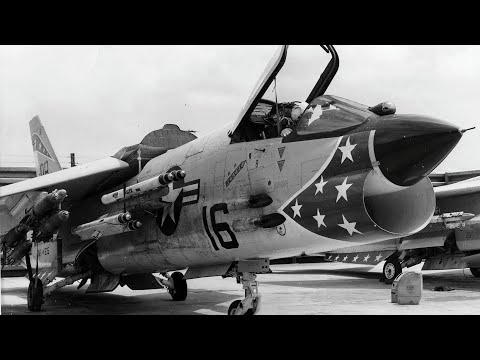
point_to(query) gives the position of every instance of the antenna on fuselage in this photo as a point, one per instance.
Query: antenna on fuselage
(276, 105)
(139, 159)
(124, 200)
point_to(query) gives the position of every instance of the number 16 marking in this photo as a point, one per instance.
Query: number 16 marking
(217, 227)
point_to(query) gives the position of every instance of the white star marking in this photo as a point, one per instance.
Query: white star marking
(320, 185)
(296, 209)
(342, 190)
(319, 219)
(350, 227)
(355, 258)
(172, 194)
(170, 208)
(337, 257)
(317, 112)
(365, 259)
(347, 150)
(377, 258)
(330, 257)
(345, 258)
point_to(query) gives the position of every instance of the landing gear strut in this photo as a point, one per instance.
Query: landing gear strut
(251, 304)
(245, 271)
(35, 288)
(175, 284)
(35, 295)
(179, 290)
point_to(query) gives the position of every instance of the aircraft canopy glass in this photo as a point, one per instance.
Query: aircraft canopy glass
(332, 113)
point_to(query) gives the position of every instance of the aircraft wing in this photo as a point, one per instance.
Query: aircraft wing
(464, 187)
(77, 181)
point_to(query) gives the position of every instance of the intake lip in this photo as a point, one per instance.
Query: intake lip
(410, 147)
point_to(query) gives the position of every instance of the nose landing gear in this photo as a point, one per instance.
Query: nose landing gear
(251, 304)
(246, 274)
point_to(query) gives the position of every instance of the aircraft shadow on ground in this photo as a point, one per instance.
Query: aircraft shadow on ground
(332, 284)
(21, 292)
(69, 301)
(358, 278)
(357, 272)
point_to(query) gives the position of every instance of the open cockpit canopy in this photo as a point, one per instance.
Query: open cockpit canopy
(261, 118)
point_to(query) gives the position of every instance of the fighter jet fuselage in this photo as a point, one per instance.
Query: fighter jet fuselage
(282, 179)
(364, 185)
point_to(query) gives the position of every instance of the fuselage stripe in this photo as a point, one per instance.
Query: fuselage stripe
(190, 188)
(190, 199)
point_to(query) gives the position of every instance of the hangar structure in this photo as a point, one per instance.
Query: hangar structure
(10, 175)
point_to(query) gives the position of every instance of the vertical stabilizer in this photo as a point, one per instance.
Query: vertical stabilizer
(45, 159)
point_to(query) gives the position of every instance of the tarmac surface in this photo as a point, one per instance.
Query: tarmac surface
(294, 289)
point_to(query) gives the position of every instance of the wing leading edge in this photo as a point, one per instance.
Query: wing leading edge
(78, 180)
(464, 187)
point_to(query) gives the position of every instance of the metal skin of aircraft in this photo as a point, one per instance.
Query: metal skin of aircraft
(450, 241)
(282, 179)
(46, 162)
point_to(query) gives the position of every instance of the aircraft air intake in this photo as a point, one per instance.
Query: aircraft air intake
(398, 211)
(350, 198)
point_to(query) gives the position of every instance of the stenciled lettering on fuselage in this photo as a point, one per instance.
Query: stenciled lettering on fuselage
(188, 194)
(235, 172)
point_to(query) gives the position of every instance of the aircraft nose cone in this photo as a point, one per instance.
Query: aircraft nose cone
(409, 147)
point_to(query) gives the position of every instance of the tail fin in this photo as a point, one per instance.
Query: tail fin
(45, 159)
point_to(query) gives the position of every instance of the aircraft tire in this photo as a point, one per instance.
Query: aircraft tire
(475, 272)
(181, 290)
(250, 312)
(35, 295)
(233, 306)
(391, 270)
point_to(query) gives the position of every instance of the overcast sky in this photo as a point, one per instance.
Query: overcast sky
(93, 100)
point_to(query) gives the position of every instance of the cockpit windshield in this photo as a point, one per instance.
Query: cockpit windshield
(329, 113)
(275, 108)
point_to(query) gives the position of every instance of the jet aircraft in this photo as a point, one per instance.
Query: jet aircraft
(310, 175)
(450, 241)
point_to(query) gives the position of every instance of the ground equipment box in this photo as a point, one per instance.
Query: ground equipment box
(407, 288)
